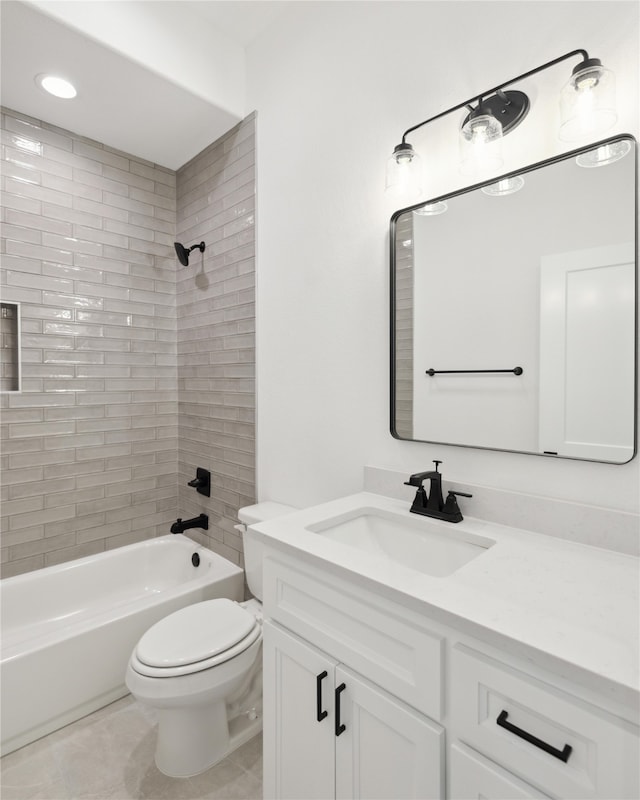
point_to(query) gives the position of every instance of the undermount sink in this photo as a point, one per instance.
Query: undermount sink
(433, 548)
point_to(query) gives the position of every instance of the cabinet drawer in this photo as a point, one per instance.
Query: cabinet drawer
(374, 639)
(472, 777)
(562, 745)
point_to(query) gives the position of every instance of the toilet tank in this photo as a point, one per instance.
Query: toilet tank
(249, 515)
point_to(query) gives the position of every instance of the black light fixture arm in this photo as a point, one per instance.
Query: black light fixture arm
(479, 97)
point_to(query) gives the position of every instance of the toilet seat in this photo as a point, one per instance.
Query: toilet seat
(195, 638)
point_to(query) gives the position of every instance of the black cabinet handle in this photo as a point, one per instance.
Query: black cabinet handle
(320, 714)
(563, 754)
(339, 727)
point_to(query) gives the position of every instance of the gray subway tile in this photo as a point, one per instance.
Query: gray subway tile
(123, 285)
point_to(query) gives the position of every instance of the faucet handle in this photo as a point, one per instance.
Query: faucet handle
(451, 507)
(437, 463)
(202, 482)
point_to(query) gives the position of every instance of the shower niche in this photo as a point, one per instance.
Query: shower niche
(10, 361)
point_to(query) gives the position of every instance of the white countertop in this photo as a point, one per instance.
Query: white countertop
(578, 605)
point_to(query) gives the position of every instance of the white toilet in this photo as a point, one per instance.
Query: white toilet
(201, 669)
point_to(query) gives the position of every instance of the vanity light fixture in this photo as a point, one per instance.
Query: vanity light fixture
(587, 101)
(587, 107)
(57, 86)
(483, 129)
(404, 172)
(431, 209)
(504, 186)
(604, 154)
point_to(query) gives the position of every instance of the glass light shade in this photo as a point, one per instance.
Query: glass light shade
(481, 145)
(431, 209)
(588, 103)
(504, 186)
(404, 173)
(603, 155)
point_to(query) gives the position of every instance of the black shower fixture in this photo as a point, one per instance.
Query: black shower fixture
(183, 253)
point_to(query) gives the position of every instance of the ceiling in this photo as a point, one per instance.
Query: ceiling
(242, 20)
(125, 100)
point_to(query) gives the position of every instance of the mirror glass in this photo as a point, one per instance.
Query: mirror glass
(514, 314)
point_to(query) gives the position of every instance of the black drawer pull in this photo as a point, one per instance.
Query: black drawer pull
(563, 754)
(320, 714)
(339, 727)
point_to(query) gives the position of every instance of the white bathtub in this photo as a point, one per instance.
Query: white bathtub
(68, 631)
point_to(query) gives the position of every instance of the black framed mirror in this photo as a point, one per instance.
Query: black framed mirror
(514, 310)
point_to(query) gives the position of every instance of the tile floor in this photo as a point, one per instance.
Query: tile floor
(109, 756)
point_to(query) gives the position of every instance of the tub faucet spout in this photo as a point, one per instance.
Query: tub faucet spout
(182, 525)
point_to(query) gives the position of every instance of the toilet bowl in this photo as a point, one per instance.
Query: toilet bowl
(193, 667)
(201, 669)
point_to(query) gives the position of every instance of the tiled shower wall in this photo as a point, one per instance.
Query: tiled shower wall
(89, 448)
(216, 334)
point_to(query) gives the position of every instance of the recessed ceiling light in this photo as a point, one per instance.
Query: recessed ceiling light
(59, 87)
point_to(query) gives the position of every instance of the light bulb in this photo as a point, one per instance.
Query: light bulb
(431, 209)
(404, 173)
(505, 186)
(603, 155)
(481, 145)
(587, 102)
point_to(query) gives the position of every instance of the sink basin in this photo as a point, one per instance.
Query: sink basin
(428, 546)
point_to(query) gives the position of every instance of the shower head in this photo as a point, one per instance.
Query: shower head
(183, 253)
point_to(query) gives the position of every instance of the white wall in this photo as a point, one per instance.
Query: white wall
(335, 85)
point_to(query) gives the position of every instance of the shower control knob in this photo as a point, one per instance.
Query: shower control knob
(202, 482)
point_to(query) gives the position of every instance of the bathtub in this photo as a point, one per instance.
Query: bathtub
(67, 631)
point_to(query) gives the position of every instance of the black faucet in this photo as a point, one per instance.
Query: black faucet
(434, 504)
(182, 525)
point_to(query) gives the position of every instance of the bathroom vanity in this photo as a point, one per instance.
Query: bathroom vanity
(406, 657)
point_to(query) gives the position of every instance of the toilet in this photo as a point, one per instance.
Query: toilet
(201, 669)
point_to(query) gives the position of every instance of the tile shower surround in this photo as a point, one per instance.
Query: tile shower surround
(216, 334)
(90, 449)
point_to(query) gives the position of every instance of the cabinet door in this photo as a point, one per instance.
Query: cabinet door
(299, 749)
(386, 749)
(472, 777)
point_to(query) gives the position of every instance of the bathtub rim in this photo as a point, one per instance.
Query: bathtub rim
(14, 645)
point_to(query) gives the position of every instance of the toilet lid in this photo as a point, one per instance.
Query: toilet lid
(195, 633)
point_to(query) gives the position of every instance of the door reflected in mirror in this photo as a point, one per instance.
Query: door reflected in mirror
(514, 311)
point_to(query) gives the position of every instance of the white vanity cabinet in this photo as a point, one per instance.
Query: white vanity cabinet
(472, 777)
(331, 733)
(567, 747)
(405, 682)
